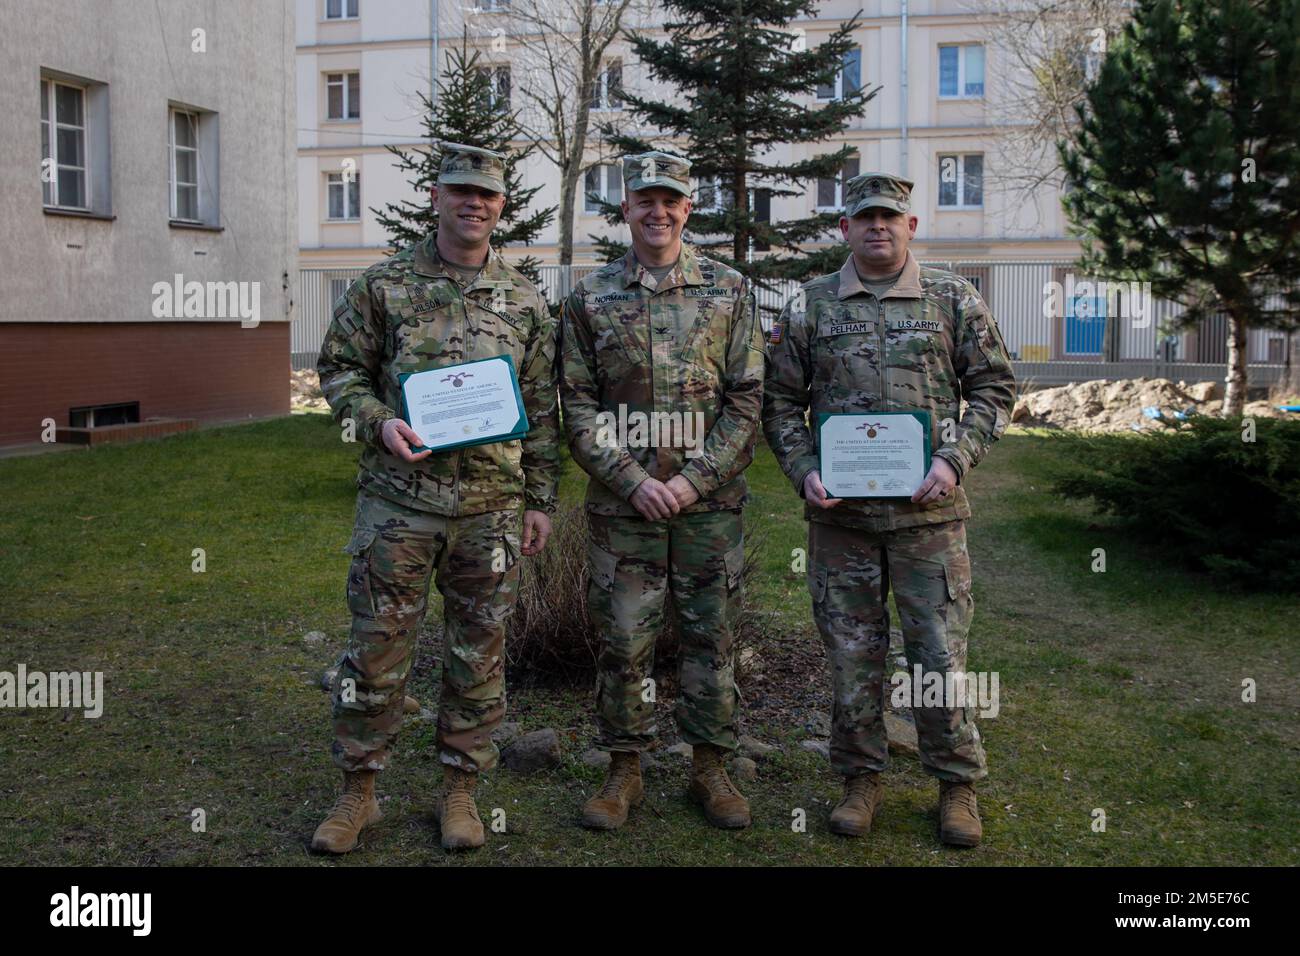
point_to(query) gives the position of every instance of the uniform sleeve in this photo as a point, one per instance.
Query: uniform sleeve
(592, 440)
(351, 357)
(786, 393)
(541, 454)
(729, 446)
(988, 386)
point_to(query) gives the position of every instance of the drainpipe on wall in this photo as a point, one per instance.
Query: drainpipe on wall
(433, 52)
(902, 95)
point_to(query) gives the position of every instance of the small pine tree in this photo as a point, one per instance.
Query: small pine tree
(465, 113)
(744, 76)
(1186, 165)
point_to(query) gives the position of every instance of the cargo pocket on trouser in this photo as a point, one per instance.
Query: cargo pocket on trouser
(510, 569)
(734, 560)
(602, 565)
(361, 598)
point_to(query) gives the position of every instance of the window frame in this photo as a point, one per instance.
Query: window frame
(345, 98)
(840, 180)
(613, 176)
(172, 183)
(49, 101)
(602, 101)
(961, 93)
(494, 71)
(344, 5)
(838, 84)
(335, 178)
(961, 182)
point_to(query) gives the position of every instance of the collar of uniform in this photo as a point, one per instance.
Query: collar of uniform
(429, 263)
(687, 271)
(908, 285)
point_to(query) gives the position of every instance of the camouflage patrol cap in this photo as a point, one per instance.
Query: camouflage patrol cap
(877, 189)
(657, 168)
(471, 165)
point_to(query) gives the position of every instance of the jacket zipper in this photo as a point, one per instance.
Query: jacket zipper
(460, 452)
(884, 358)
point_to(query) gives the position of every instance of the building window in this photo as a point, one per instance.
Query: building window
(961, 71)
(344, 197)
(183, 170)
(492, 6)
(961, 180)
(498, 79)
(605, 95)
(64, 182)
(830, 189)
(344, 94)
(712, 196)
(341, 9)
(847, 81)
(606, 182)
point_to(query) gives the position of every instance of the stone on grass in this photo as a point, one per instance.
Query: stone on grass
(539, 750)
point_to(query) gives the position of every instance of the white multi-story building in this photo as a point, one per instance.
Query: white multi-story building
(361, 62)
(939, 118)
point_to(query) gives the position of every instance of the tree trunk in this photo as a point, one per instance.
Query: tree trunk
(567, 183)
(1234, 396)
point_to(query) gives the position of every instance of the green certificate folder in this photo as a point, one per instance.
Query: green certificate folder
(874, 455)
(469, 403)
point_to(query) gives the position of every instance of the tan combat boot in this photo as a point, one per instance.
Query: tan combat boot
(622, 790)
(959, 815)
(724, 805)
(355, 809)
(457, 815)
(863, 794)
(410, 705)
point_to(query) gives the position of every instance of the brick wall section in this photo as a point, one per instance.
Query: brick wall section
(209, 371)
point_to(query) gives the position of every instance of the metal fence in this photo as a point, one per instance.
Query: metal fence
(1058, 327)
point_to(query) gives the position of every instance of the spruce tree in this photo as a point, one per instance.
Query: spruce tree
(743, 78)
(465, 114)
(1185, 169)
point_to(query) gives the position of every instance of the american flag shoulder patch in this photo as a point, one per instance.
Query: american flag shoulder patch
(775, 335)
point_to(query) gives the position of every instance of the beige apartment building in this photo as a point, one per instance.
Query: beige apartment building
(939, 118)
(146, 217)
(360, 62)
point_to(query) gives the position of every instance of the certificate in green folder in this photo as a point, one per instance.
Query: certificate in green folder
(470, 403)
(877, 455)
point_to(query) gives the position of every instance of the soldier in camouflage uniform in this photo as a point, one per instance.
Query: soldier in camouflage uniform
(885, 335)
(452, 516)
(661, 385)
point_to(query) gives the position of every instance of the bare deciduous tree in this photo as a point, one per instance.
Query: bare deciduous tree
(561, 49)
(1048, 52)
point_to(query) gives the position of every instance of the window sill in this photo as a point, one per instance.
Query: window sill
(200, 226)
(959, 208)
(336, 121)
(339, 222)
(77, 213)
(948, 99)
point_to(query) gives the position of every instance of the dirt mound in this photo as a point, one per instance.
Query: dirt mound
(305, 393)
(1124, 405)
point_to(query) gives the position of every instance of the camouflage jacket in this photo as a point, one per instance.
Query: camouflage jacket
(409, 314)
(687, 354)
(927, 345)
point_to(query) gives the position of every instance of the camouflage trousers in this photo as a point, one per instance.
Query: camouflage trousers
(850, 572)
(634, 564)
(395, 551)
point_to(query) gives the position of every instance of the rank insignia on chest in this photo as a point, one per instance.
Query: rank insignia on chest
(421, 301)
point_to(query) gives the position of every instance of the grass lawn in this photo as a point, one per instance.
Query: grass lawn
(1120, 691)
